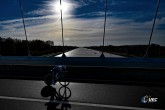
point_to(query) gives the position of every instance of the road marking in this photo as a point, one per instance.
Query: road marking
(77, 103)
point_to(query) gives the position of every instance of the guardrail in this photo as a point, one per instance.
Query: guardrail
(85, 61)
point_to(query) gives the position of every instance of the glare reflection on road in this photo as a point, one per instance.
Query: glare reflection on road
(84, 52)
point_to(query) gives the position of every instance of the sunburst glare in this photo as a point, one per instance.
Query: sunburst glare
(67, 7)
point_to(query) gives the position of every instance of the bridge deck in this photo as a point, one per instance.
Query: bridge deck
(87, 68)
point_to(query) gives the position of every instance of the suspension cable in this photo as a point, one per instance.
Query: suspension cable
(23, 21)
(105, 17)
(149, 43)
(63, 55)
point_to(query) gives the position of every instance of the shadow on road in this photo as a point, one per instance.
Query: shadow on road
(58, 98)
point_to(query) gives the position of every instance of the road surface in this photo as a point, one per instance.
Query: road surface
(23, 94)
(84, 52)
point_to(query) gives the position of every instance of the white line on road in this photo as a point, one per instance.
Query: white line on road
(77, 103)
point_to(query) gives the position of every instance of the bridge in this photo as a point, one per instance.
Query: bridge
(115, 79)
(86, 69)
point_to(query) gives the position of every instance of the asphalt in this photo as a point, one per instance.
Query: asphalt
(84, 52)
(27, 94)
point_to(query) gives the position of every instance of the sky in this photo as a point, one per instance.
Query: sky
(129, 22)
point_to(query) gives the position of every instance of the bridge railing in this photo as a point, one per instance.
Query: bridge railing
(84, 61)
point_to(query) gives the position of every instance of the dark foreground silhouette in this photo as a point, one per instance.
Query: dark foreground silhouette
(58, 99)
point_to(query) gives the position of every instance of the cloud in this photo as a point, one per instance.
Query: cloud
(38, 12)
(86, 2)
(88, 31)
(79, 30)
(94, 14)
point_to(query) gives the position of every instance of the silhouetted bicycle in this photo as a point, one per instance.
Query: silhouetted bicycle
(64, 92)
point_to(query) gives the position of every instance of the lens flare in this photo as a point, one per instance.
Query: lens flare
(66, 6)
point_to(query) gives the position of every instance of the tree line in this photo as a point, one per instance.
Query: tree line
(155, 50)
(17, 47)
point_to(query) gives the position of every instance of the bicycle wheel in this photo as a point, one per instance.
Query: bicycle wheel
(65, 93)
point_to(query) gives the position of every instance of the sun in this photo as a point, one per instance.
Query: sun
(65, 6)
